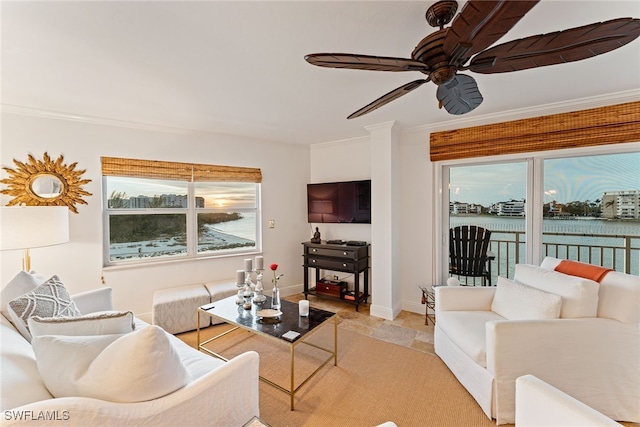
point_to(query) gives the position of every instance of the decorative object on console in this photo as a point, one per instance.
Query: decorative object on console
(275, 299)
(45, 183)
(27, 227)
(453, 281)
(316, 237)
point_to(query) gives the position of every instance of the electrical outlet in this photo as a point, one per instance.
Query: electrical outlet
(335, 277)
(272, 223)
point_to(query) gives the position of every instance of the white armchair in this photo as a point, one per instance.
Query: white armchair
(539, 404)
(595, 358)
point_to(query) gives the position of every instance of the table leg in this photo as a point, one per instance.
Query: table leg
(335, 340)
(197, 330)
(292, 393)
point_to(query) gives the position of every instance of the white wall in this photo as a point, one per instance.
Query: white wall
(350, 160)
(285, 172)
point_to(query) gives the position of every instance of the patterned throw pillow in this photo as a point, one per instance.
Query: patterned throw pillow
(22, 283)
(51, 299)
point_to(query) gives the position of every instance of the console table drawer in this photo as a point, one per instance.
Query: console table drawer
(333, 253)
(331, 264)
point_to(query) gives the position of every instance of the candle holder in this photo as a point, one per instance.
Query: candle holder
(259, 297)
(240, 285)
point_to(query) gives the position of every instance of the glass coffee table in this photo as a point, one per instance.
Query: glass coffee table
(273, 328)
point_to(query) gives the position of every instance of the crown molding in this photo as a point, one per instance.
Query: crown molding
(81, 118)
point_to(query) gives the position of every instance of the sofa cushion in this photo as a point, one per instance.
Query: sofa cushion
(134, 367)
(515, 301)
(101, 323)
(50, 299)
(468, 330)
(618, 295)
(579, 296)
(22, 283)
(21, 382)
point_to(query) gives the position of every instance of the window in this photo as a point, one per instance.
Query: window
(585, 206)
(167, 210)
(492, 196)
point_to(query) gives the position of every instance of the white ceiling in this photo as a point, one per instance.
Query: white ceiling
(238, 67)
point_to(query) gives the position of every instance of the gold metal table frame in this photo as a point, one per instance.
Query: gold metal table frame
(333, 354)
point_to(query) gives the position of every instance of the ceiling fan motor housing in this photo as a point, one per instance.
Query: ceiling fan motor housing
(429, 51)
(441, 13)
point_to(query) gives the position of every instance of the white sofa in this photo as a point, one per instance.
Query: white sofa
(591, 351)
(539, 404)
(217, 394)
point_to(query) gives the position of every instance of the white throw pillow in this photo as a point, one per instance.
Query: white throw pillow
(579, 296)
(135, 367)
(51, 299)
(515, 301)
(22, 283)
(100, 323)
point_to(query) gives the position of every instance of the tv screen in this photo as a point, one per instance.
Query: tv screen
(339, 202)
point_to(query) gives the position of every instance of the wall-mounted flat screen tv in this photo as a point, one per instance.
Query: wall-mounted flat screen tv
(339, 202)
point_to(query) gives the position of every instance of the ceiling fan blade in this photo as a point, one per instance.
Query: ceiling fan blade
(559, 47)
(460, 95)
(365, 62)
(385, 99)
(480, 24)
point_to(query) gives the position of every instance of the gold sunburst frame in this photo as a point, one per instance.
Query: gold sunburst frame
(21, 180)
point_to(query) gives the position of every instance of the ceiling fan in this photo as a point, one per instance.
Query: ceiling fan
(444, 53)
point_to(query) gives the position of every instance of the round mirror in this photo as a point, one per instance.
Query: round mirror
(47, 186)
(45, 183)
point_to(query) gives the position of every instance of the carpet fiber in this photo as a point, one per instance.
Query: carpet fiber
(374, 382)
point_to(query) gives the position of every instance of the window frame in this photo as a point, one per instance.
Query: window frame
(534, 193)
(190, 212)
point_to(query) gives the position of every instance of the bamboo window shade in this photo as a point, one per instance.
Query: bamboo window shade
(114, 166)
(598, 126)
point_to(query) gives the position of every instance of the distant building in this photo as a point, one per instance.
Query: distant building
(459, 208)
(163, 201)
(510, 208)
(621, 204)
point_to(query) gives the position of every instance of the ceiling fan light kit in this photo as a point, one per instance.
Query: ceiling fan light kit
(443, 54)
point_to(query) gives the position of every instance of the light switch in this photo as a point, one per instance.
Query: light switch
(272, 223)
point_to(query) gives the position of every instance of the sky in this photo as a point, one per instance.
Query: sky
(216, 195)
(566, 179)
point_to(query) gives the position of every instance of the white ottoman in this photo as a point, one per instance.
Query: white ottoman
(220, 290)
(174, 309)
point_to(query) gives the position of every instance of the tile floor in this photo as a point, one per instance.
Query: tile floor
(408, 329)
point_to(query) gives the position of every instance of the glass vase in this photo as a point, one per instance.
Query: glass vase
(275, 297)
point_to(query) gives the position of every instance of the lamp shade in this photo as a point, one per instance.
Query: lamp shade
(27, 227)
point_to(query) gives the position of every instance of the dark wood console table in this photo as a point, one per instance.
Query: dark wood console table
(334, 257)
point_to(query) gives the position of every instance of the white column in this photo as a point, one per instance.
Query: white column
(386, 291)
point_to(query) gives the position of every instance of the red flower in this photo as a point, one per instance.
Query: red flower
(275, 279)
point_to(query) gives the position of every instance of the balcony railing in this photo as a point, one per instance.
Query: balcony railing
(622, 253)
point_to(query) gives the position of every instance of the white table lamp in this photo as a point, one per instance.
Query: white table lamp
(27, 227)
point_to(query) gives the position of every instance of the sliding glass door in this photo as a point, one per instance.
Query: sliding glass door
(575, 204)
(494, 197)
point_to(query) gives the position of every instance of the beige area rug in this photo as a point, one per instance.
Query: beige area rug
(374, 382)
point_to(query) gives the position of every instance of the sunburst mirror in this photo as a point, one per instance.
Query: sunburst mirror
(45, 183)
